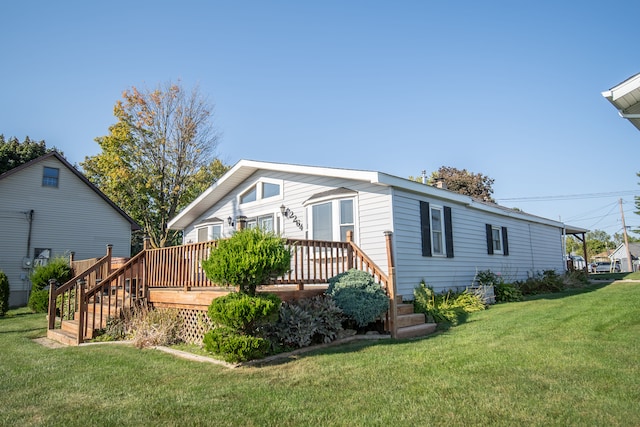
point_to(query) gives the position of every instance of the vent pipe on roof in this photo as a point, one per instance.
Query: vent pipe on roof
(424, 176)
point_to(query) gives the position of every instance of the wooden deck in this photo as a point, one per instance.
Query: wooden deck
(173, 278)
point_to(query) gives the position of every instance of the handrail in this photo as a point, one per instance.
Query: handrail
(66, 288)
(122, 289)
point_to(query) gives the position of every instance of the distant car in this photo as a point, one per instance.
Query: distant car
(604, 267)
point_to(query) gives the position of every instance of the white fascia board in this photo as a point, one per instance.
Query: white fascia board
(624, 88)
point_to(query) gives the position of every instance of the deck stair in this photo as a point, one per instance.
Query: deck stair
(410, 324)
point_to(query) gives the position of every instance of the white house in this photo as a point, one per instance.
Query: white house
(621, 255)
(437, 235)
(49, 209)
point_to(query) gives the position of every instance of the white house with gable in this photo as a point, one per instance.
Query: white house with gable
(438, 236)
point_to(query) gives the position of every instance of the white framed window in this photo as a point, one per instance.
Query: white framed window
(496, 238)
(263, 222)
(263, 189)
(331, 220)
(209, 232)
(436, 218)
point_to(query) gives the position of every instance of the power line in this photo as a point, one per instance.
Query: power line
(570, 196)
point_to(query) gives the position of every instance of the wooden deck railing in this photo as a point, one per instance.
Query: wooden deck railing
(96, 294)
(66, 300)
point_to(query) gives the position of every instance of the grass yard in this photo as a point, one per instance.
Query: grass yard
(564, 359)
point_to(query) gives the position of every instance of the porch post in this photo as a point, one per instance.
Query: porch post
(391, 285)
(109, 253)
(349, 250)
(80, 284)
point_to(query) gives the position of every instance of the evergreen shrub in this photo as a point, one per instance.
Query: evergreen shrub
(4, 293)
(233, 346)
(248, 259)
(58, 269)
(244, 313)
(358, 296)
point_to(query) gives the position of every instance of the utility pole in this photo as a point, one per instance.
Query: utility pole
(626, 239)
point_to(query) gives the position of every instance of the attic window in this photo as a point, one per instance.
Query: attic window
(259, 191)
(50, 177)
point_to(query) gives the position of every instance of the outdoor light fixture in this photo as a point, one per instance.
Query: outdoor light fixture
(230, 221)
(282, 209)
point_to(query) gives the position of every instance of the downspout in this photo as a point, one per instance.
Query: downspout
(30, 219)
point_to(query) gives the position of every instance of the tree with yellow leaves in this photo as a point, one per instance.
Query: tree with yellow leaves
(158, 157)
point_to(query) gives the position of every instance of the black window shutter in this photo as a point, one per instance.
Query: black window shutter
(505, 242)
(489, 239)
(425, 228)
(448, 231)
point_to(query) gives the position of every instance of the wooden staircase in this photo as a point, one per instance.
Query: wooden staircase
(410, 324)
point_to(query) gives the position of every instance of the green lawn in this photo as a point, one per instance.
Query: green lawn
(563, 359)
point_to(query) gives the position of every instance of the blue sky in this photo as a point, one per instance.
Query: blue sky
(510, 89)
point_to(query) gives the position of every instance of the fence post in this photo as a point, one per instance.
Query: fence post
(52, 303)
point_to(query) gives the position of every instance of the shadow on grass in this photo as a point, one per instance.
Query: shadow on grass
(569, 292)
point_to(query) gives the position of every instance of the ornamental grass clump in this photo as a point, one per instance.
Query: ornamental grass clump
(149, 327)
(247, 260)
(449, 307)
(358, 296)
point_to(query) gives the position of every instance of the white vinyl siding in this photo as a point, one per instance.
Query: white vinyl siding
(73, 218)
(532, 247)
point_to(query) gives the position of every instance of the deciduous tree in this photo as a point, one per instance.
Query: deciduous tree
(158, 156)
(462, 181)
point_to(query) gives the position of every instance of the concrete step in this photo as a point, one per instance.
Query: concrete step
(63, 337)
(404, 309)
(405, 320)
(414, 331)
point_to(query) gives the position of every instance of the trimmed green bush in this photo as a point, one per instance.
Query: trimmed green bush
(240, 321)
(234, 347)
(4, 293)
(248, 259)
(358, 296)
(244, 313)
(308, 321)
(58, 269)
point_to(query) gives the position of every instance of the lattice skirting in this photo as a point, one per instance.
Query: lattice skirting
(195, 324)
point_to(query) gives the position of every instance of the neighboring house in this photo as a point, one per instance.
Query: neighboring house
(626, 98)
(620, 255)
(437, 235)
(49, 209)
